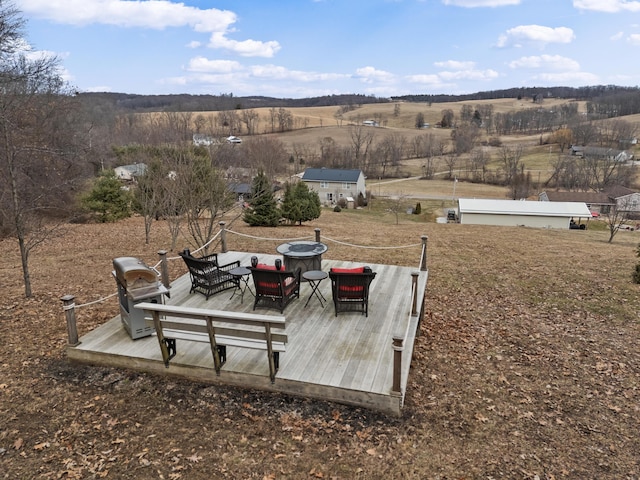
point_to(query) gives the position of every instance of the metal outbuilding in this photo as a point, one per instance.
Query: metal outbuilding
(477, 211)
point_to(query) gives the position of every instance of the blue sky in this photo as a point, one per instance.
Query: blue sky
(305, 48)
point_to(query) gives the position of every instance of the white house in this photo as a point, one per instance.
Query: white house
(129, 172)
(333, 184)
(520, 213)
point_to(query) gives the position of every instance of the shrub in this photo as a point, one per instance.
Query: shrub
(342, 202)
(337, 208)
(418, 209)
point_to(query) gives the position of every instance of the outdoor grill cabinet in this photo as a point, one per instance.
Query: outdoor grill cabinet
(136, 283)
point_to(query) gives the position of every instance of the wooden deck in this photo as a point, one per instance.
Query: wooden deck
(347, 359)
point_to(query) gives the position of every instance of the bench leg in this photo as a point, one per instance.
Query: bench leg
(222, 352)
(170, 344)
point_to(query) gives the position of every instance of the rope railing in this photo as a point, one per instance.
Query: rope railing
(246, 235)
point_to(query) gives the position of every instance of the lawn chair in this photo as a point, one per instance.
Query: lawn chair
(275, 288)
(207, 276)
(350, 289)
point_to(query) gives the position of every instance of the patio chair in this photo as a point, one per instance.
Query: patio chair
(275, 288)
(350, 289)
(207, 276)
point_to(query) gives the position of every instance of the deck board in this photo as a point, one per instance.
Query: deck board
(345, 358)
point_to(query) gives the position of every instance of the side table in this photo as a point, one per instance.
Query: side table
(242, 275)
(315, 277)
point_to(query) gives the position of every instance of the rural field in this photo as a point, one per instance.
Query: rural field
(527, 365)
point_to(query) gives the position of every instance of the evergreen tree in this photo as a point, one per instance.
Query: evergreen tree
(300, 204)
(262, 210)
(108, 199)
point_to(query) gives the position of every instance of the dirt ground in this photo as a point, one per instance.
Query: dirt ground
(527, 367)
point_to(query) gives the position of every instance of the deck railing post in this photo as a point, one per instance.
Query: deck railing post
(69, 306)
(223, 237)
(414, 289)
(317, 230)
(164, 268)
(423, 265)
(397, 363)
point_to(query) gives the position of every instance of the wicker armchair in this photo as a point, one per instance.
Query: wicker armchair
(350, 289)
(275, 288)
(207, 276)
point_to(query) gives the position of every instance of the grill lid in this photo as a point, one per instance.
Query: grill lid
(133, 273)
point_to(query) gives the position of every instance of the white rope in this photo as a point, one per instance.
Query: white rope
(268, 238)
(96, 301)
(372, 247)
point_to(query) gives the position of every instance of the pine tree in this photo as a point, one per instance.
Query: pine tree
(108, 199)
(262, 210)
(300, 204)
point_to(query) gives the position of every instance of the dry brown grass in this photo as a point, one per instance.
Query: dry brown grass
(528, 366)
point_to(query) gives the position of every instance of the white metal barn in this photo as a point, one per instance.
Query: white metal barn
(477, 211)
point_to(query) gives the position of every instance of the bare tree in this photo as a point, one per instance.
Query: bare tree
(250, 118)
(361, 140)
(39, 171)
(618, 216)
(397, 205)
(511, 160)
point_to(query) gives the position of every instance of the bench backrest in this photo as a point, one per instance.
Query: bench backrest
(222, 316)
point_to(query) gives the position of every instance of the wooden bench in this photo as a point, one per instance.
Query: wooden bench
(220, 329)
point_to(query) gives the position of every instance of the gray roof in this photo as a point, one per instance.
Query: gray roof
(590, 198)
(331, 175)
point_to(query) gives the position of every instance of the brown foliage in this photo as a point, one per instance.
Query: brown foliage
(527, 367)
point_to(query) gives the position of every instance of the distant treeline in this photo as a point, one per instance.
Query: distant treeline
(203, 103)
(602, 100)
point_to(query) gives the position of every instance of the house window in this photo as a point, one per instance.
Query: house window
(324, 185)
(340, 195)
(345, 186)
(329, 197)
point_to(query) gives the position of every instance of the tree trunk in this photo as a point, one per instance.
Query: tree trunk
(24, 256)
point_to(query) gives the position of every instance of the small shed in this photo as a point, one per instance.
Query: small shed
(476, 211)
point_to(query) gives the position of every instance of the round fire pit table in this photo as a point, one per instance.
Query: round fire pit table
(302, 253)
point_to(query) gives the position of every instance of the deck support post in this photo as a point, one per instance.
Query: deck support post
(423, 262)
(414, 289)
(164, 268)
(223, 237)
(317, 230)
(397, 364)
(69, 308)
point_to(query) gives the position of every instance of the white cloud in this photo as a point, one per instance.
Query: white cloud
(281, 73)
(607, 6)
(475, 75)
(634, 39)
(617, 36)
(194, 44)
(371, 75)
(429, 79)
(246, 48)
(481, 3)
(202, 64)
(455, 65)
(568, 78)
(535, 34)
(153, 14)
(156, 14)
(554, 62)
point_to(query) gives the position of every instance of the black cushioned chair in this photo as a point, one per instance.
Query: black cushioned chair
(275, 288)
(350, 289)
